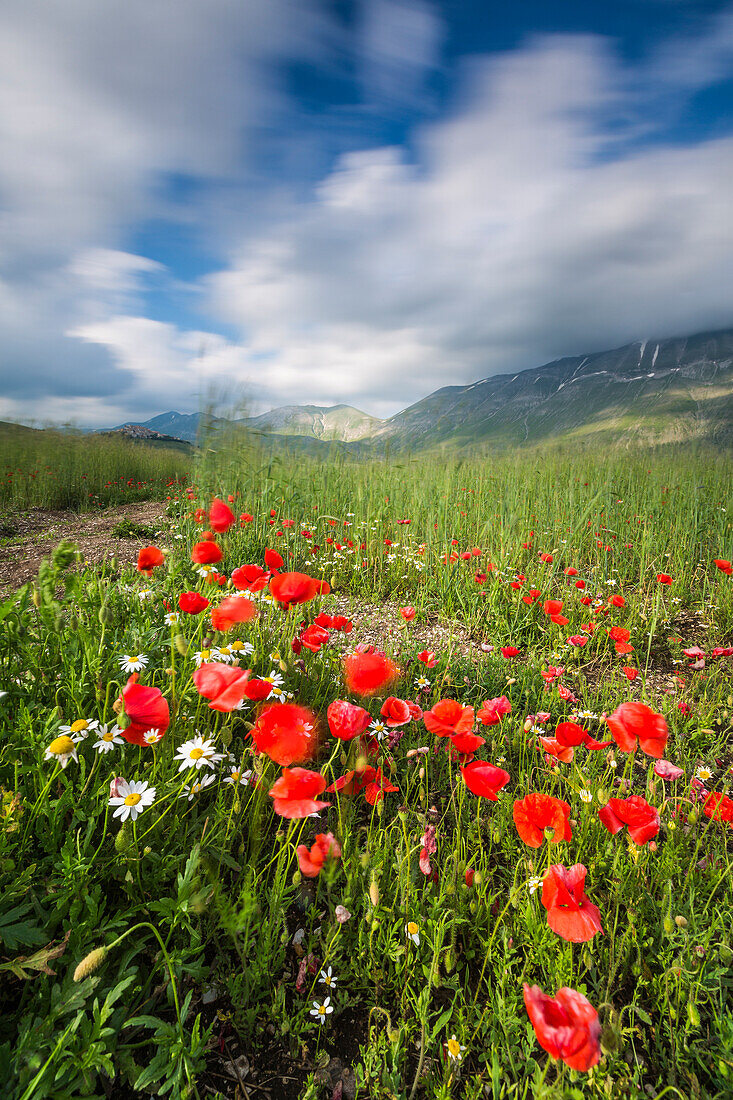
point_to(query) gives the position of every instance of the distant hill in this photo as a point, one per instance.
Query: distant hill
(651, 391)
(141, 433)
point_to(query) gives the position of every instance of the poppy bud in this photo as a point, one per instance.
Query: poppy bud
(226, 736)
(374, 893)
(237, 806)
(692, 817)
(680, 922)
(181, 644)
(297, 878)
(497, 836)
(125, 839)
(692, 1014)
(106, 616)
(448, 960)
(700, 951)
(725, 954)
(90, 963)
(36, 596)
(669, 925)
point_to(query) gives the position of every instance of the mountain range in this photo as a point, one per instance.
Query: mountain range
(651, 391)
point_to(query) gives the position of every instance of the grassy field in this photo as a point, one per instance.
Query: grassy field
(49, 469)
(210, 945)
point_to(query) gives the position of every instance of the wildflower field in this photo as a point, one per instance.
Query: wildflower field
(387, 780)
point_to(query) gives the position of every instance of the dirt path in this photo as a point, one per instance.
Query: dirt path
(32, 535)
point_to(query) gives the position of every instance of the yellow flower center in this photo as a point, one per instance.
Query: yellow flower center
(196, 754)
(454, 1047)
(237, 645)
(412, 928)
(205, 654)
(236, 775)
(133, 799)
(79, 725)
(322, 1010)
(108, 736)
(61, 745)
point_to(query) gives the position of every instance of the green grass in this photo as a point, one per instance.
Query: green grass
(50, 469)
(205, 894)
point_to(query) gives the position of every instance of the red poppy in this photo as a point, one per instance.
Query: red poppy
(617, 601)
(273, 560)
(569, 912)
(148, 559)
(448, 717)
(724, 566)
(580, 585)
(539, 812)
(717, 806)
(578, 640)
(547, 558)
(295, 793)
(245, 518)
(224, 685)
(367, 671)
(289, 589)
(571, 734)
(427, 657)
(324, 847)
(664, 578)
(552, 747)
(146, 709)
(571, 571)
(552, 607)
(629, 672)
(636, 813)
(377, 786)
(493, 710)
(231, 610)
(206, 553)
(466, 743)
(665, 769)
(247, 575)
(566, 1026)
(221, 517)
(395, 712)
(509, 651)
(634, 724)
(619, 634)
(286, 733)
(346, 720)
(484, 779)
(192, 603)
(257, 690)
(408, 613)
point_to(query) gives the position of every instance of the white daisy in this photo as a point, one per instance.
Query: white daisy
(203, 656)
(534, 883)
(197, 786)
(703, 774)
(245, 648)
(586, 796)
(378, 729)
(225, 655)
(321, 1011)
(62, 749)
(412, 931)
(145, 594)
(108, 739)
(131, 798)
(454, 1049)
(152, 737)
(172, 618)
(133, 663)
(80, 729)
(197, 753)
(328, 978)
(274, 678)
(236, 775)
(422, 682)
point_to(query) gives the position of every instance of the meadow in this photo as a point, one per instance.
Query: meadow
(68, 469)
(248, 851)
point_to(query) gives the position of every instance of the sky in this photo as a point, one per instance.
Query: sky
(271, 202)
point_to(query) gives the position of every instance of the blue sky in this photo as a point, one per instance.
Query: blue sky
(312, 201)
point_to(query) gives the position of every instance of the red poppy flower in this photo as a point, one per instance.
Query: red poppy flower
(286, 733)
(664, 578)
(629, 672)
(231, 610)
(367, 671)
(427, 657)
(617, 601)
(376, 788)
(273, 560)
(547, 558)
(552, 607)
(724, 566)
(717, 806)
(509, 651)
(580, 585)
(146, 709)
(221, 517)
(408, 613)
(636, 813)
(224, 685)
(571, 734)
(395, 712)
(466, 743)
(192, 603)
(634, 724)
(571, 571)
(566, 1026)
(346, 720)
(295, 793)
(245, 576)
(289, 589)
(484, 779)
(257, 690)
(206, 553)
(619, 634)
(552, 747)
(148, 559)
(245, 518)
(665, 769)
(448, 717)
(493, 710)
(324, 847)
(569, 912)
(538, 812)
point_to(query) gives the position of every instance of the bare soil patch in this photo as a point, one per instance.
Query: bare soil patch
(382, 626)
(31, 536)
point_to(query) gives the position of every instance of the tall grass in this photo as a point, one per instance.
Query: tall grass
(52, 469)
